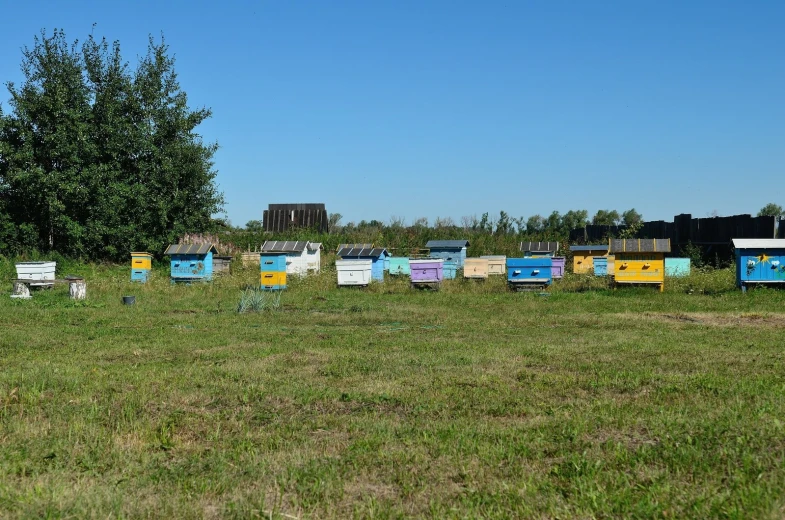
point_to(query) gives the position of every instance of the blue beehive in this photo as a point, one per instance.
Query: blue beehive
(600, 265)
(377, 255)
(449, 250)
(273, 271)
(529, 272)
(191, 262)
(677, 267)
(450, 269)
(759, 261)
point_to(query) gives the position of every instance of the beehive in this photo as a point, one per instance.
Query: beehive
(222, 264)
(558, 266)
(272, 267)
(313, 256)
(191, 262)
(42, 272)
(353, 272)
(759, 262)
(141, 265)
(450, 269)
(376, 255)
(249, 259)
(640, 261)
(475, 268)
(449, 251)
(677, 267)
(497, 264)
(600, 265)
(426, 271)
(399, 265)
(583, 257)
(529, 272)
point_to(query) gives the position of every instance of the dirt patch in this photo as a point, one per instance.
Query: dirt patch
(718, 320)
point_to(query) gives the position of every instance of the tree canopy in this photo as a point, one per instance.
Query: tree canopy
(771, 210)
(98, 159)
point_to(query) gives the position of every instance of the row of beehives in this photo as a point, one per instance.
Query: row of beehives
(627, 261)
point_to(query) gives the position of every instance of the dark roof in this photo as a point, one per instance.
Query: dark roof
(457, 244)
(190, 249)
(536, 247)
(284, 246)
(641, 245)
(374, 252)
(354, 246)
(590, 247)
(314, 246)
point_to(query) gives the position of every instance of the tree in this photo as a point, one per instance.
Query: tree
(254, 225)
(504, 225)
(605, 217)
(535, 224)
(553, 223)
(99, 160)
(334, 222)
(631, 218)
(771, 210)
(575, 219)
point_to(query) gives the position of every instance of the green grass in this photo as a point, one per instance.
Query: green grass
(389, 402)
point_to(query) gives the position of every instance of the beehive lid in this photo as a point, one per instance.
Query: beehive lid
(314, 246)
(284, 246)
(640, 245)
(451, 244)
(591, 247)
(539, 247)
(190, 249)
(494, 257)
(141, 253)
(759, 243)
(362, 251)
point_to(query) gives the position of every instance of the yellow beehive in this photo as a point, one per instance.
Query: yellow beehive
(141, 261)
(475, 268)
(273, 279)
(583, 257)
(497, 264)
(640, 261)
(611, 264)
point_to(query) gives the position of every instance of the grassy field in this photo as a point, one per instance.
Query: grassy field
(472, 402)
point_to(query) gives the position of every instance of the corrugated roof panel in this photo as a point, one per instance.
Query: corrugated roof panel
(284, 246)
(759, 243)
(190, 249)
(352, 252)
(354, 246)
(538, 247)
(447, 243)
(591, 247)
(314, 246)
(640, 245)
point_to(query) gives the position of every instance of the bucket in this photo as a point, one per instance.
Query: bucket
(129, 300)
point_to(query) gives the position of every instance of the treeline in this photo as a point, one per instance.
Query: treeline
(98, 158)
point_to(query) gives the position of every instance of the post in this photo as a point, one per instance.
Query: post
(21, 290)
(77, 288)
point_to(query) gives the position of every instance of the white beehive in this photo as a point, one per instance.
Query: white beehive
(353, 272)
(41, 272)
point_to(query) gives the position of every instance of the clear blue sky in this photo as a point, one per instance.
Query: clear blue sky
(451, 108)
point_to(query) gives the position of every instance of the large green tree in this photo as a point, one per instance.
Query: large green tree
(98, 159)
(771, 210)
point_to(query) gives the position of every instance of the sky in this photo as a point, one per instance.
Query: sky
(430, 108)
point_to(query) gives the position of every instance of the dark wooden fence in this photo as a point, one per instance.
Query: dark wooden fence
(282, 217)
(710, 234)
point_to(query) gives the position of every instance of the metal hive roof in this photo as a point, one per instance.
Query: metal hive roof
(190, 249)
(447, 243)
(758, 243)
(314, 246)
(640, 245)
(536, 247)
(590, 247)
(361, 251)
(288, 246)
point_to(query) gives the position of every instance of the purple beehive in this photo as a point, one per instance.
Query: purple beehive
(557, 267)
(426, 270)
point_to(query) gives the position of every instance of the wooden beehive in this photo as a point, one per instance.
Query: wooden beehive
(558, 266)
(759, 262)
(250, 259)
(141, 265)
(272, 267)
(426, 271)
(475, 268)
(583, 257)
(449, 250)
(222, 264)
(377, 256)
(296, 254)
(353, 272)
(539, 249)
(191, 262)
(523, 273)
(399, 265)
(42, 273)
(497, 264)
(640, 261)
(677, 267)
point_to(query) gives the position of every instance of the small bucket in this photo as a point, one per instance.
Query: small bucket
(129, 300)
